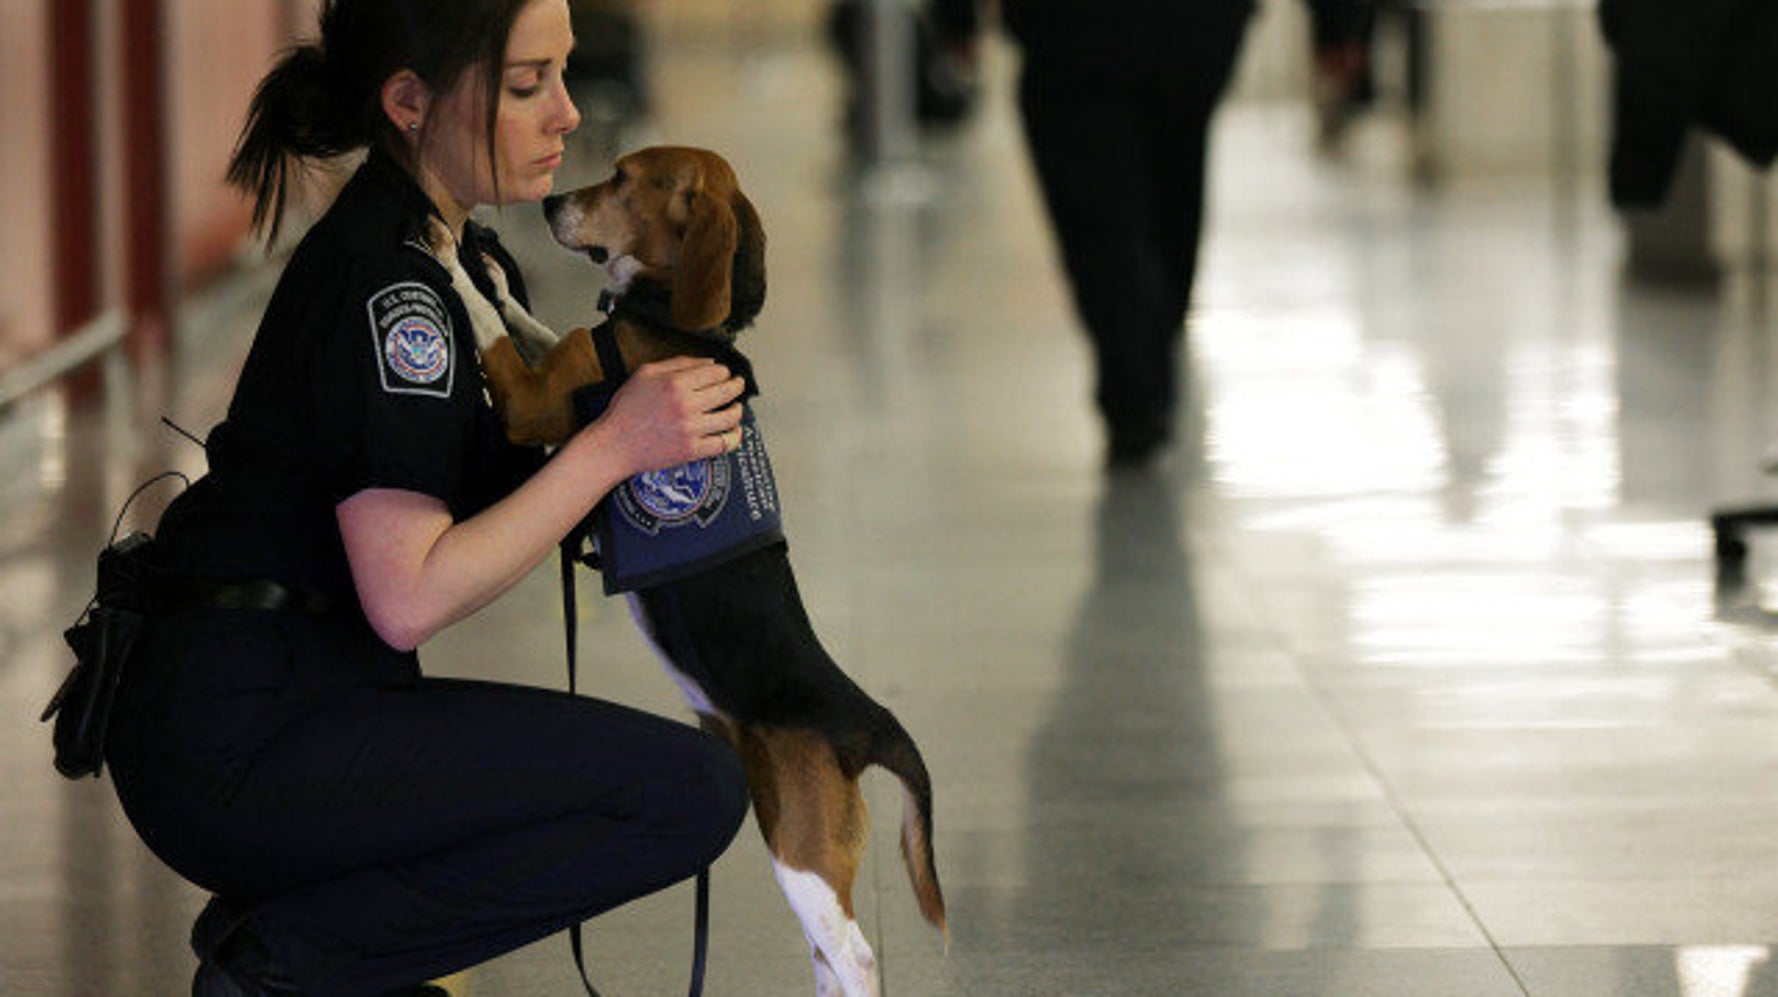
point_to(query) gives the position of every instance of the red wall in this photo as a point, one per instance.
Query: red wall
(25, 297)
(213, 52)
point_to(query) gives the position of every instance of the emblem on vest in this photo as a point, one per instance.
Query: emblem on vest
(666, 524)
(412, 333)
(678, 496)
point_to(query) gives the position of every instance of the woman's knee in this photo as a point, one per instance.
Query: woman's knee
(720, 789)
(699, 793)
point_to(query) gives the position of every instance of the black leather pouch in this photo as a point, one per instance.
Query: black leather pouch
(101, 640)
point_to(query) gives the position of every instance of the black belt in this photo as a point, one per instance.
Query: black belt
(167, 594)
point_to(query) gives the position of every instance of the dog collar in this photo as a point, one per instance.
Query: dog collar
(652, 310)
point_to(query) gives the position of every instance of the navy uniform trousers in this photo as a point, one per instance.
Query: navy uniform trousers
(380, 829)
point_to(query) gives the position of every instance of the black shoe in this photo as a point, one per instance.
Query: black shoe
(214, 981)
(231, 960)
(214, 924)
(1135, 446)
(229, 955)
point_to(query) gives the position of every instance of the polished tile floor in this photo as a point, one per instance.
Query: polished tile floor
(1404, 674)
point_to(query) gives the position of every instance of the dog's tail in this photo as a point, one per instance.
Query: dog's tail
(894, 749)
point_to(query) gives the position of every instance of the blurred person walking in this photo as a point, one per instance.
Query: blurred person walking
(1117, 99)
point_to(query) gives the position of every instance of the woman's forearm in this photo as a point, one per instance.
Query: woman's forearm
(417, 571)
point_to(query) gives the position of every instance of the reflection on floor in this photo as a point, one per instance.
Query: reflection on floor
(1403, 675)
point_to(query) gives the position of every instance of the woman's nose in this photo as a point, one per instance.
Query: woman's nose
(567, 115)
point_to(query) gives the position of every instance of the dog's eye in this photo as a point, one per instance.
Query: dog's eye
(620, 177)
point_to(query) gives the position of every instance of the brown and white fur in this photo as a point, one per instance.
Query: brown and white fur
(735, 637)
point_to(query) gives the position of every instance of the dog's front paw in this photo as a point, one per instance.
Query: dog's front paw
(497, 276)
(441, 241)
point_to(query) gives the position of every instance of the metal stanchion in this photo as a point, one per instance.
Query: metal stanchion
(887, 103)
(889, 137)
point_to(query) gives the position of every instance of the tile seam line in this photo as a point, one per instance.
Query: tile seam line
(1397, 806)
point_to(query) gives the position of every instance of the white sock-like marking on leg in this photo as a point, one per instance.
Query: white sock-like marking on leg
(831, 933)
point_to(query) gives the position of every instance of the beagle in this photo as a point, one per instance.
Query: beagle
(672, 227)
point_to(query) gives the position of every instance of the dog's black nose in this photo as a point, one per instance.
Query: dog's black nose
(552, 204)
(599, 254)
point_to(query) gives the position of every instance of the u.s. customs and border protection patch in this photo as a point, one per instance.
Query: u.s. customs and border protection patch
(411, 331)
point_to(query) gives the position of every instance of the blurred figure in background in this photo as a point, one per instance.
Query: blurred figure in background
(944, 70)
(1342, 84)
(608, 73)
(1707, 64)
(1117, 98)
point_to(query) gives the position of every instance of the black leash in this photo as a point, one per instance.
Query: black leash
(571, 556)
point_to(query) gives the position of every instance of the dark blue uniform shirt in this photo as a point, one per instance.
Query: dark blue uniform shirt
(363, 374)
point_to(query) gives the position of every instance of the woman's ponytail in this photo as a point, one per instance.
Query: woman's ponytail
(323, 99)
(296, 114)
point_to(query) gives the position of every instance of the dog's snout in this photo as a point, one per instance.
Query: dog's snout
(599, 254)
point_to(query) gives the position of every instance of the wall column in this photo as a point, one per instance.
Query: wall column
(73, 169)
(148, 248)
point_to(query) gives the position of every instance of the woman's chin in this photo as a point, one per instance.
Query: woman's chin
(531, 189)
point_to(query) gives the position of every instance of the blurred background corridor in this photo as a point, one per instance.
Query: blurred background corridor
(1407, 670)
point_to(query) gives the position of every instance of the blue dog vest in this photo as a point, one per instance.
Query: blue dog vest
(664, 525)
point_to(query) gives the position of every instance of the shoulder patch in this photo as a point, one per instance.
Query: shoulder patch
(411, 332)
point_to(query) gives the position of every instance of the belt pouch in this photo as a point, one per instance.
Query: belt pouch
(101, 640)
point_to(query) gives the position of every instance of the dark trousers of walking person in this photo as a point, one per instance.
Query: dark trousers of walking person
(366, 829)
(1121, 159)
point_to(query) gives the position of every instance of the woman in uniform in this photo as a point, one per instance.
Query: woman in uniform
(364, 828)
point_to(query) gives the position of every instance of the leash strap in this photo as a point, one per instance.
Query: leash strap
(700, 945)
(579, 947)
(570, 606)
(571, 635)
(611, 358)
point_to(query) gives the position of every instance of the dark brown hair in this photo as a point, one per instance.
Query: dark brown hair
(323, 98)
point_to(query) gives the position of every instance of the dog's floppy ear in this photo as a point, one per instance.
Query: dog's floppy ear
(701, 277)
(747, 280)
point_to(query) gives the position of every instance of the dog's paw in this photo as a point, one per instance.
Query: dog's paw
(441, 241)
(496, 275)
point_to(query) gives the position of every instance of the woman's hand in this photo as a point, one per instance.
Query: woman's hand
(671, 412)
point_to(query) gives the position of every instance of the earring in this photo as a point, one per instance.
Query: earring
(413, 126)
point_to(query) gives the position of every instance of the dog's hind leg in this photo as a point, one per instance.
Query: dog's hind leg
(814, 822)
(843, 961)
(827, 982)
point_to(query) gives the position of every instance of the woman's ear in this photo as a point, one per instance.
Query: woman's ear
(701, 276)
(405, 98)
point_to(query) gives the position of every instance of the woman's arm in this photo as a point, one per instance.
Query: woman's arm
(418, 571)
